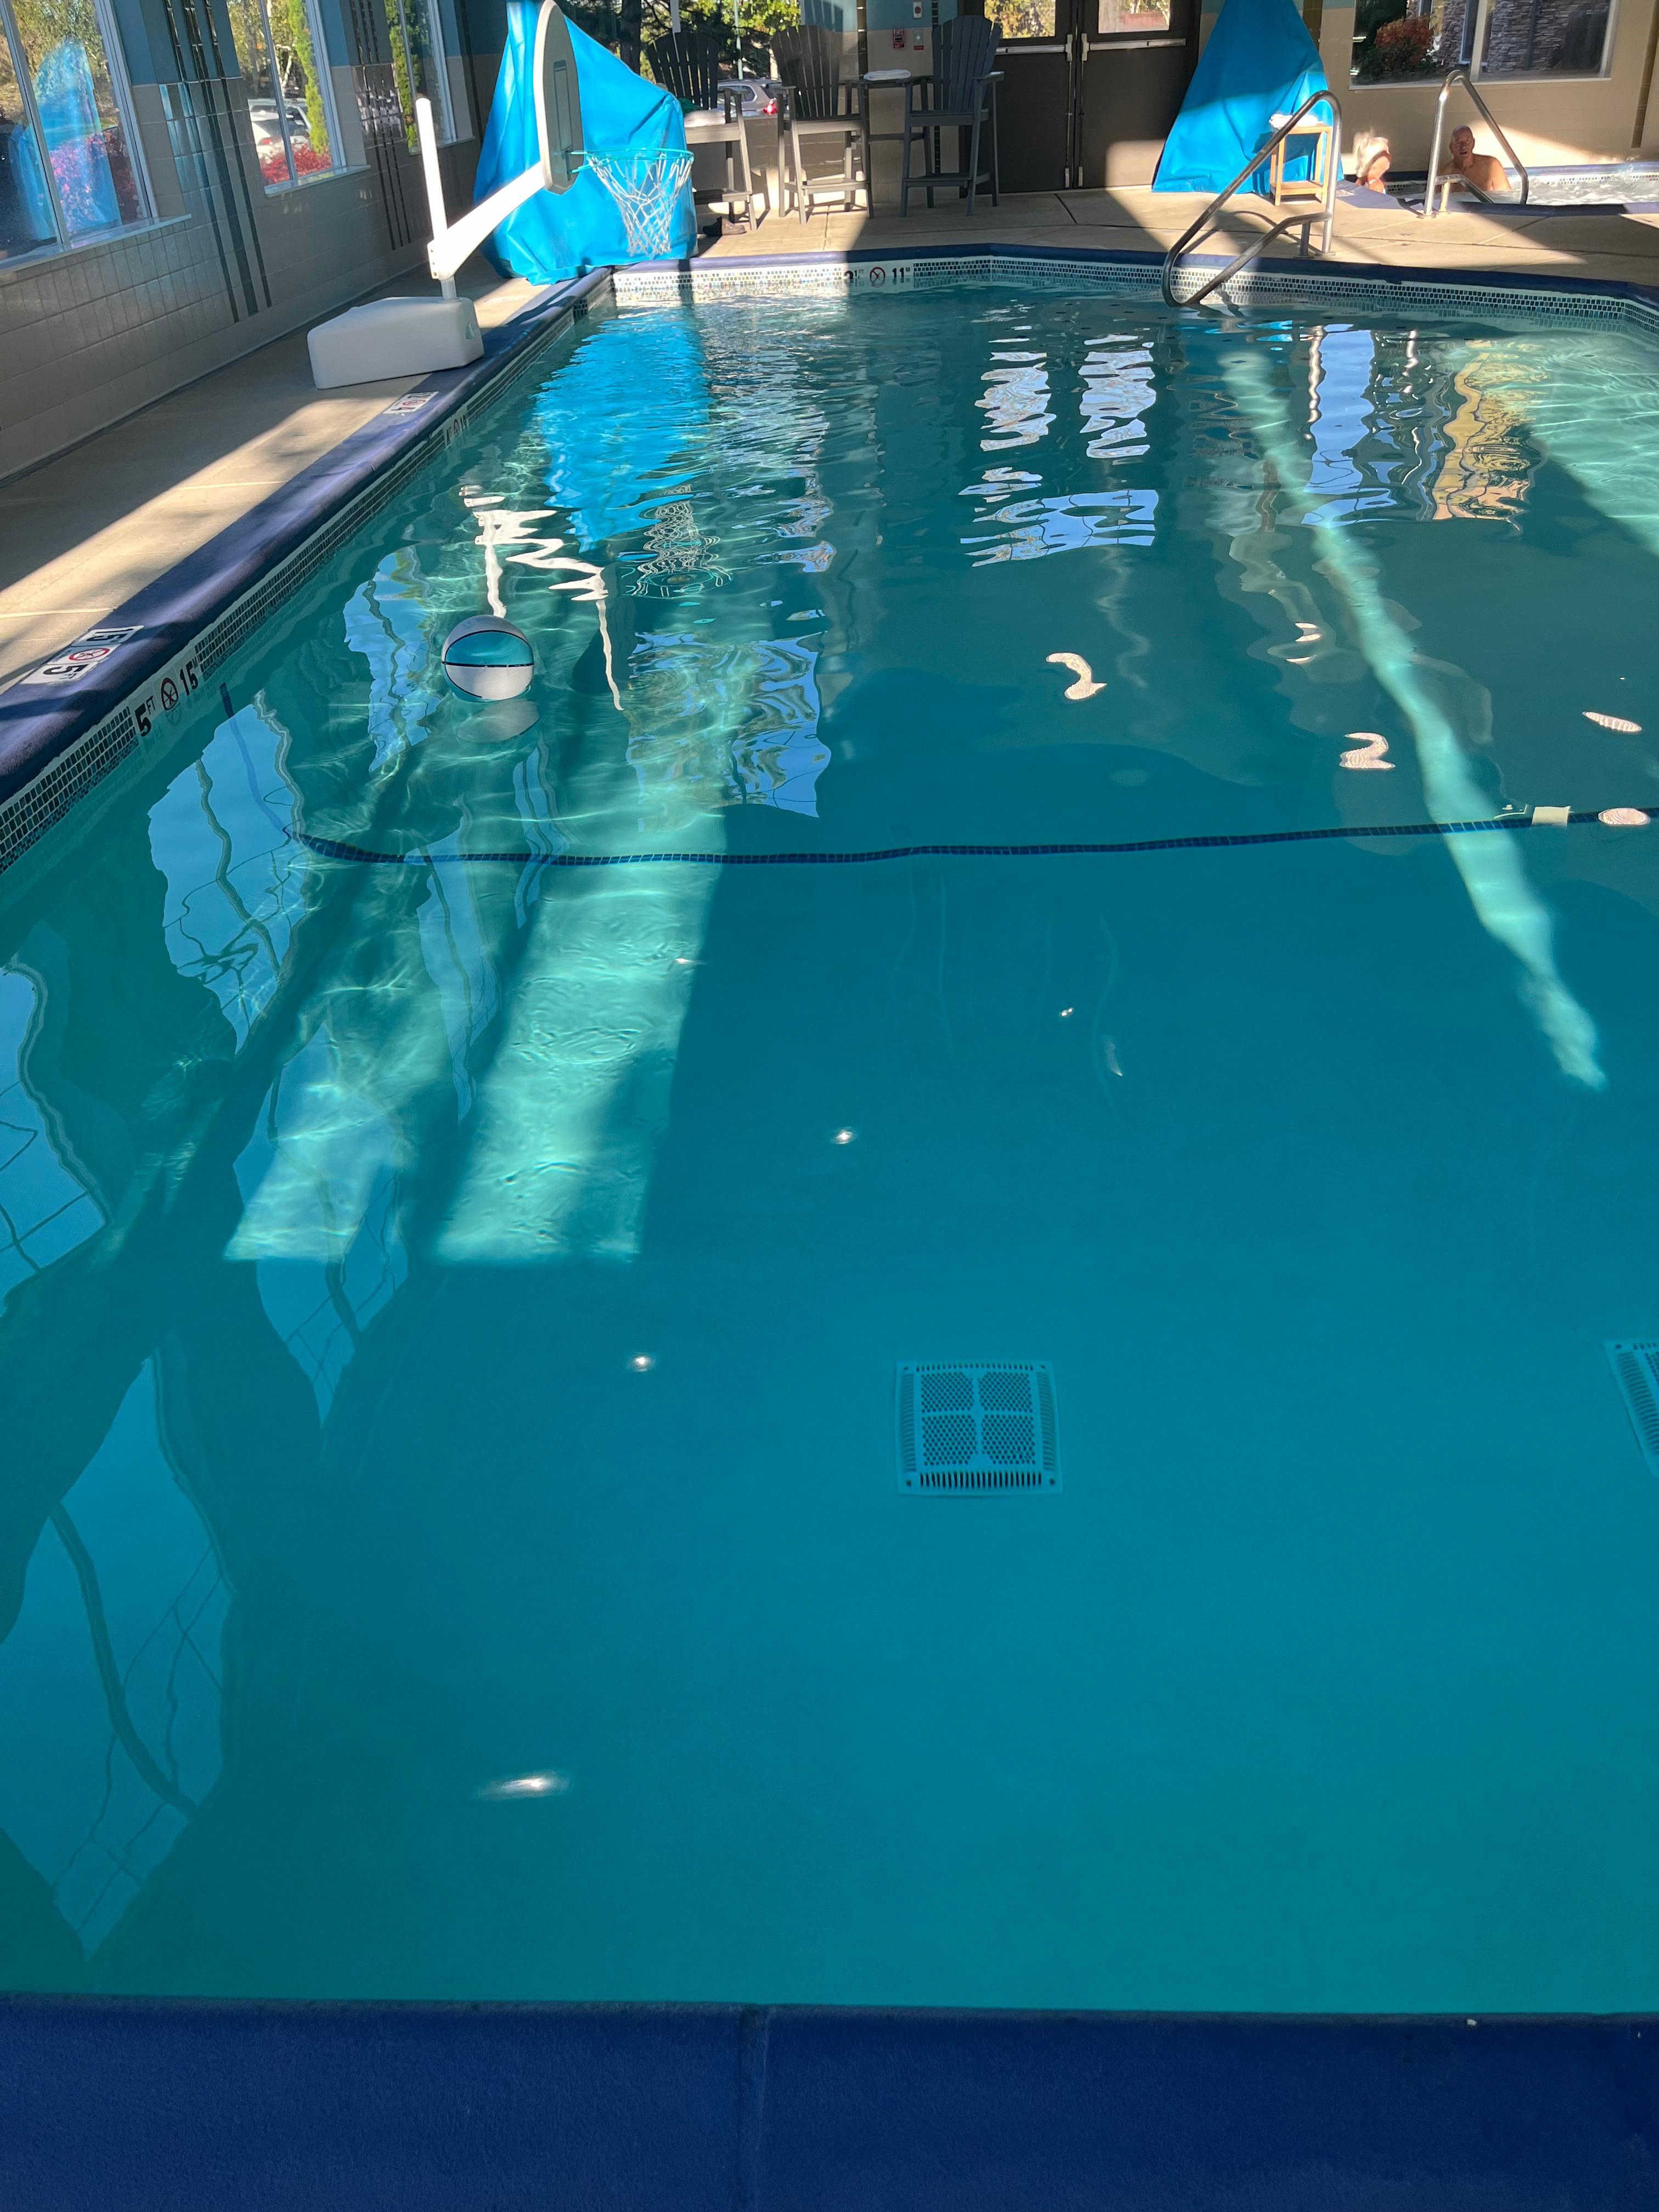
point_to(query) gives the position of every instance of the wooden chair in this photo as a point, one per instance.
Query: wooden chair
(819, 105)
(688, 64)
(1300, 191)
(960, 95)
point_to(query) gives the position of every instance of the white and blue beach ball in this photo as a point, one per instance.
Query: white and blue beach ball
(487, 659)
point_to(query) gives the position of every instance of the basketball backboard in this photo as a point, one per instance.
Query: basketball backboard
(558, 105)
(558, 101)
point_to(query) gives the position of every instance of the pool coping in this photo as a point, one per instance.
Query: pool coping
(64, 734)
(181, 2104)
(883, 268)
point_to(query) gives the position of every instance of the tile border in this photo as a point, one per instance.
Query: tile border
(940, 267)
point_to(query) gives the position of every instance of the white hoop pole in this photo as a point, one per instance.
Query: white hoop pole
(427, 136)
(452, 246)
(453, 243)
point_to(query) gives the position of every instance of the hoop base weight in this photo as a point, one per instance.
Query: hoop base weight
(393, 337)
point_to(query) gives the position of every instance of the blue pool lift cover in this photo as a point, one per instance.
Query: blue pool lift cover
(1260, 62)
(551, 238)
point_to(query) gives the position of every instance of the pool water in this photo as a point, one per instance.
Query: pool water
(1617, 184)
(1633, 183)
(453, 1538)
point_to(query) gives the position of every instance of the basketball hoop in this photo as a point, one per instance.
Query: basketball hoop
(557, 98)
(647, 188)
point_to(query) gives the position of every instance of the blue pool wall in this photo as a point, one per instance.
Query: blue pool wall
(169, 2107)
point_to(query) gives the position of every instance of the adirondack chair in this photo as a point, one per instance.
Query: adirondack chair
(818, 107)
(960, 95)
(688, 62)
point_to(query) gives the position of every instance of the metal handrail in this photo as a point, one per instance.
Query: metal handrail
(1327, 216)
(1461, 75)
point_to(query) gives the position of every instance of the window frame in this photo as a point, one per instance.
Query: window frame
(294, 179)
(68, 240)
(1480, 15)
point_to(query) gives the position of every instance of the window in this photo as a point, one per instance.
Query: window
(1396, 40)
(1545, 38)
(69, 166)
(419, 65)
(1023, 19)
(1122, 18)
(290, 102)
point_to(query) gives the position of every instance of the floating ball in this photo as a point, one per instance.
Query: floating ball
(488, 658)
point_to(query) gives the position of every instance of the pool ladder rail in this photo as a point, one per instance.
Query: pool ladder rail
(1462, 76)
(1305, 217)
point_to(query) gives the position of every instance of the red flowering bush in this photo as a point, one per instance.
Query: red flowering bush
(1401, 48)
(307, 162)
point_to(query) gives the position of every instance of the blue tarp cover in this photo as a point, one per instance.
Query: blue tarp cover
(1259, 62)
(556, 236)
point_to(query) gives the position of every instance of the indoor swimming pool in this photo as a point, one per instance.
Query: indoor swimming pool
(653, 1349)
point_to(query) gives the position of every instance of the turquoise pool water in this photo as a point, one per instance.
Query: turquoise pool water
(451, 1535)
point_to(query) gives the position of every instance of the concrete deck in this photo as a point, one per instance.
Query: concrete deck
(82, 534)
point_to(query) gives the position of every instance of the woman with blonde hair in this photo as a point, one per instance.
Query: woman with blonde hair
(1370, 159)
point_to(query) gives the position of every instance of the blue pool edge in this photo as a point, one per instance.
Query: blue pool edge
(141, 2103)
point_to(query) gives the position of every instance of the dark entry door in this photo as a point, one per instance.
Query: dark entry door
(1036, 98)
(1090, 89)
(1133, 63)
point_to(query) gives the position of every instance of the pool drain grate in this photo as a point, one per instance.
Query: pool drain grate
(1635, 1364)
(970, 1427)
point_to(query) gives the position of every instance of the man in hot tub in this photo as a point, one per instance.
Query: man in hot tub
(1484, 172)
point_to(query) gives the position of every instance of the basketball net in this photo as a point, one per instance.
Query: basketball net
(647, 189)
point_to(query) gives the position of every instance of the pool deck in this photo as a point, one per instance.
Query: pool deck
(1614, 248)
(84, 532)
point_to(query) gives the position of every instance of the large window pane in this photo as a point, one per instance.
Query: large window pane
(254, 58)
(280, 52)
(1118, 18)
(1023, 19)
(1396, 40)
(26, 221)
(299, 65)
(1533, 38)
(417, 61)
(64, 51)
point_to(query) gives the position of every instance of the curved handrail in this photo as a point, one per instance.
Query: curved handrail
(1460, 74)
(1196, 230)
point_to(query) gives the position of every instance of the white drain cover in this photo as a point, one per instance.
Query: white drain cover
(967, 1426)
(1636, 1370)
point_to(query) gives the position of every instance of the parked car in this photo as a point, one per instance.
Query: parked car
(268, 131)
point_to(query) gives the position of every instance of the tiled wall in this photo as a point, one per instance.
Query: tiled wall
(90, 335)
